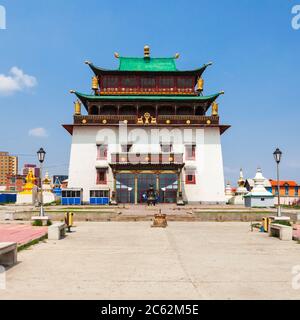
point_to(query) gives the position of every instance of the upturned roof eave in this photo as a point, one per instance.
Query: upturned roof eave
(98, 71)
(84, 98)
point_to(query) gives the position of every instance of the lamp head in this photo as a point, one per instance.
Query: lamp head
(277, 155)
(41, 155)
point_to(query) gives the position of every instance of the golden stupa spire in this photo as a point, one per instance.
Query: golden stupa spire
(30, 183)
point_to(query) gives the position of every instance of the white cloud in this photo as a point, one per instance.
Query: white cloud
(15, 81)
(38, 132)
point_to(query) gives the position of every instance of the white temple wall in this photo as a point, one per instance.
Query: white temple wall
(208, 166)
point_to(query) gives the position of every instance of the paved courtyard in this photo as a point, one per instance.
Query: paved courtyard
(130, 260)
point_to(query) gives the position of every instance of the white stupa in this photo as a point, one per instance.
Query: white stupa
(228, 192)
(241, 191)
(48, 195)
(259, 196)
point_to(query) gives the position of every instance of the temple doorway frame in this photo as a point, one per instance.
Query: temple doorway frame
(156, 182)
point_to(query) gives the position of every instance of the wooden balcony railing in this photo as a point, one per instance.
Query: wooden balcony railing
(134, 120)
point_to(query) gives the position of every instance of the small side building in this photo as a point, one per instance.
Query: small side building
(259, 196)
(289, 191)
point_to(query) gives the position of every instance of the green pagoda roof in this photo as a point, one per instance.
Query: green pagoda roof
(147, 64)
(84, 98)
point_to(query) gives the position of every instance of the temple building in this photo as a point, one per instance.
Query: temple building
(146, 124)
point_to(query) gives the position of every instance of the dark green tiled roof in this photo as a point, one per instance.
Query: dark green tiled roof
(132, 65)
(146, 97)
(147, 64)
(207, 100)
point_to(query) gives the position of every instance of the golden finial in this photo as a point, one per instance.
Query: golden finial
(117, 56)
(146, 52)
(200, 85)
(222, 92)
(77, 108)
(177, 55)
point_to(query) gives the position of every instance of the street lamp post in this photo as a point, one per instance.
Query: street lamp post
(41, 156)
(277, 156)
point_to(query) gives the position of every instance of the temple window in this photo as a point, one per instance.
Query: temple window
(296, 191)
(199, 111)
(108, 110)
(190, 152)
(99, 193)
(286, 188)
(127, 110)
(94, 110)
(147, 109)
(129, 82)
(185, 110)
(148, 82)
(101, 176)
(190, 178)
(166, 82)
(110, 82)
(185, 82)
(101, 152)
(166, 110)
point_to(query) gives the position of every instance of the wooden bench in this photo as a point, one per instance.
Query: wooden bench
(281, 231)
(57, 231)
(8, 253)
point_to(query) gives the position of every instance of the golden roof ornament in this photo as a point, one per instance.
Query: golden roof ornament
(147, 117)
(215, 109)
(177, 55)
(200, 85)
(77, 107)
(146, 52)
(116, 54)
(95, 83)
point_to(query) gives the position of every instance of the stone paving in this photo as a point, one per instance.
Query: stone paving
(131, 260)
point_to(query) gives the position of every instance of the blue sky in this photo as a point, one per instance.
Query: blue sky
(252, 44)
